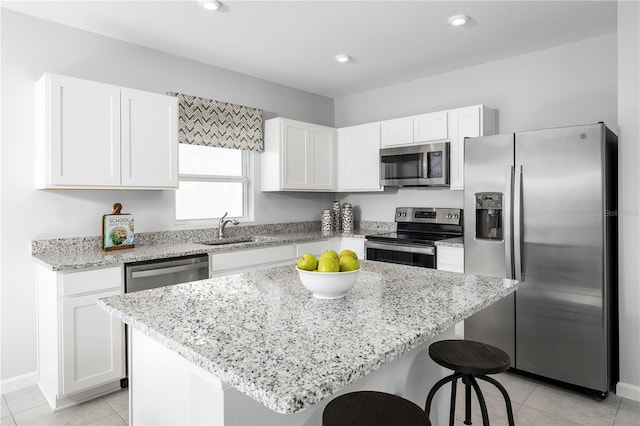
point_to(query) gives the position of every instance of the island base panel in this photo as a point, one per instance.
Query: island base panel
(167, 389)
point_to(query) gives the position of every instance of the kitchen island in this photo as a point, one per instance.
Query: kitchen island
(257, 348)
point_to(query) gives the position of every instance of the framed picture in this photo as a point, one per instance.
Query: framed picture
(117, 229)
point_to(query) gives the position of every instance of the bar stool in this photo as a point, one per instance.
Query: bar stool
(470, 361)
(371, 408)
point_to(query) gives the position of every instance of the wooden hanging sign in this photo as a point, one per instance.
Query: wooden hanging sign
(117, 229)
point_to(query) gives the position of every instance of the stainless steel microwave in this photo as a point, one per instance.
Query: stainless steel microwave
(415, 165)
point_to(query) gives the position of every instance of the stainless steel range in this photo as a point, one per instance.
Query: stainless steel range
(417, 230)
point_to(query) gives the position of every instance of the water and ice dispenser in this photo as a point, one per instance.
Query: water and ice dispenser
(489, 215)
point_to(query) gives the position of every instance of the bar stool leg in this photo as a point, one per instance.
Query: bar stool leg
(467, 400)
(434, 389)
(452, 406)
(483, 405)
(502, 390)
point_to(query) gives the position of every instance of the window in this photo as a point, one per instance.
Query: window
(212, 181)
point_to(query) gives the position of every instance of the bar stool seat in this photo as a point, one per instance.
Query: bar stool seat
(371, 408)
(470, 361)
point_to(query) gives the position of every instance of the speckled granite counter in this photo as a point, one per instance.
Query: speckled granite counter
(81, 253)
(451, 242)
(266, 336)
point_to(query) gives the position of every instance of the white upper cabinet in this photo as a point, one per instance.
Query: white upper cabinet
(396, 132)
(95, 135)
(149, 139)
(359, 158)
(466, 122)
(298, 156)
(430, 127)
(416, 129)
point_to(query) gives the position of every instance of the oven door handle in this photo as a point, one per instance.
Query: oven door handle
(401, 248)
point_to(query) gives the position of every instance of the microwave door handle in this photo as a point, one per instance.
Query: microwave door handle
(507, 222)
(517, 224)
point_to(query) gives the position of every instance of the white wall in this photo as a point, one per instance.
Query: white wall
(30, 47)
(629, 200)
(566, 85)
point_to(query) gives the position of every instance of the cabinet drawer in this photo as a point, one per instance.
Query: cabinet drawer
(252, 257)
(90, 281)
(314, 247)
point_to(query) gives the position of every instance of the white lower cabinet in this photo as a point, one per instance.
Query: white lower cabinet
(81, 350)
(337, 243)
(355, 244)
(316, 248)
(450, 259)
(237, 261)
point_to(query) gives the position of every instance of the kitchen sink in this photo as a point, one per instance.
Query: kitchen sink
(235, 240)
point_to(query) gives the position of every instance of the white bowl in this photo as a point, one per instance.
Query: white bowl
(328, 285)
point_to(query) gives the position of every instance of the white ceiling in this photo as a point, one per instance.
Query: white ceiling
(294, 42)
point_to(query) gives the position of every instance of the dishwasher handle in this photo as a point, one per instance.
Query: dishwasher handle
(154, 272)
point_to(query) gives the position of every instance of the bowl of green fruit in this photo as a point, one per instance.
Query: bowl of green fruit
(331, 275)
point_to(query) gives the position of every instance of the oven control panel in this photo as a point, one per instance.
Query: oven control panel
(429, 215)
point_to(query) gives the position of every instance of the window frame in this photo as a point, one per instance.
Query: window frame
(244, 179)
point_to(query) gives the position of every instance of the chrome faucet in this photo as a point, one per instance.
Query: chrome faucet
(222, 223)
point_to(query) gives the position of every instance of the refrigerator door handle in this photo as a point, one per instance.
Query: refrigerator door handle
(507, 206)
(517, 223)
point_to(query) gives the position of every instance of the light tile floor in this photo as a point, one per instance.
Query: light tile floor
(535, 403)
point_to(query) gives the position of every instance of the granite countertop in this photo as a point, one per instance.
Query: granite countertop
(265, 335)
(70, 256)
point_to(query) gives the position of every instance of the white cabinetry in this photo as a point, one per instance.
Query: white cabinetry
(237, 261)
(316, 248)
(396, 132)
(416, 129)
(359, 158)
(298, 156)
(95, 135)
(355, 244)
(450, 259)
(464, 123)
(430, 127)
(80, 346)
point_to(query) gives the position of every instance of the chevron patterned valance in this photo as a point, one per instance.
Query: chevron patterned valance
(219, 124)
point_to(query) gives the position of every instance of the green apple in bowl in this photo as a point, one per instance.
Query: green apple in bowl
(308, 262)
(347, 252)
(348, 263)
(328, 264)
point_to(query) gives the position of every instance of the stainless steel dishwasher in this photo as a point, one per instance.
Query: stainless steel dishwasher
(159, 273)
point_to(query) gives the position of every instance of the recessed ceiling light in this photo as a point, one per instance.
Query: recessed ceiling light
(458, 20)
(210, 4)
(342, 58)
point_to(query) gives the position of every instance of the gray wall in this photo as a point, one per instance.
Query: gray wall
(29, 48)
(566, 85)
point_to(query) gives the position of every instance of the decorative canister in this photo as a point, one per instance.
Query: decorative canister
(335, 210)
(347, 217)
(326, 220)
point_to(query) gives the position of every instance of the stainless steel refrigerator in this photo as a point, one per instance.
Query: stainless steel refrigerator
(540, 207)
